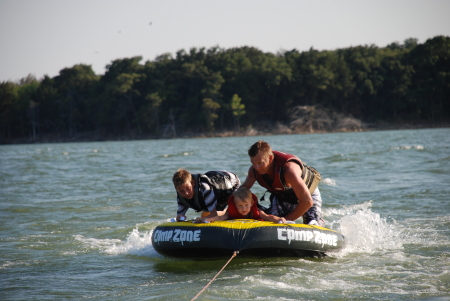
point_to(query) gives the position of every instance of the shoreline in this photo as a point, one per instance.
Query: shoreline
(95, 137)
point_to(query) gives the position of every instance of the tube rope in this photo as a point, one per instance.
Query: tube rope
(229, 260)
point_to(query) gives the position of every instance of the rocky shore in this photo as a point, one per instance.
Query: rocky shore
(278, 129)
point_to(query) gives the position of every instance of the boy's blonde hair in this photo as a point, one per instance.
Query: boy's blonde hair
(181, 177)
(243, 194)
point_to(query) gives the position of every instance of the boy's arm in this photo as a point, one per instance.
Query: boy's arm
(181, 211)
(271, 218)
(211, 218)
(213, 213)
(180, 216)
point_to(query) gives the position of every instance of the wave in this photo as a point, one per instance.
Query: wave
(417, 147)
(137, 243)
(182, 154)
(365, 232)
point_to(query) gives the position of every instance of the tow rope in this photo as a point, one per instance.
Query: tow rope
(229, 260)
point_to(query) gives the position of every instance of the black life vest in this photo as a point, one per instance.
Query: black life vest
(221, 183)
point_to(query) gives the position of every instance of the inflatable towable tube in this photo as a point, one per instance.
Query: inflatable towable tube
(249, 237)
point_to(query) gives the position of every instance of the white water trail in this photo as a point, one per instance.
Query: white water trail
(137, 243)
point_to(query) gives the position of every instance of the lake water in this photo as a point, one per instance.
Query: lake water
(76, 220)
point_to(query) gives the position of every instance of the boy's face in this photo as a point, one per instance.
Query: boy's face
(243, 206)
(186, 190)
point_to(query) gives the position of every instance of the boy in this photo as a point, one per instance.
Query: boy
(203, 192)
(242, 204)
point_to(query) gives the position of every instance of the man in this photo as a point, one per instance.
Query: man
(207, 192)
(292, 184)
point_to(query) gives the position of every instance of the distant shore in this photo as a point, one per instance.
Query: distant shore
(95, 137)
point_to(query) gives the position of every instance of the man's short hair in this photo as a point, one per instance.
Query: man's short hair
(181, 177)
(260, 147)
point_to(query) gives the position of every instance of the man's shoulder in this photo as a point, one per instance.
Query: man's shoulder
(292, 163)
(291, 167)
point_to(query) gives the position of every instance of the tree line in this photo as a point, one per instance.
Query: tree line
(216, 89)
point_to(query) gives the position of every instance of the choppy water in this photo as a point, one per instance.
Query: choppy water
(76, 220)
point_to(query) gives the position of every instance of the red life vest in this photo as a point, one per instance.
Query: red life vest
(279, 160)
(233, 213)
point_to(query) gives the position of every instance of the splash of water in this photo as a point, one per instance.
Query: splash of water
(366, 231)
(328, 181)
(94, 243)
(137, 243)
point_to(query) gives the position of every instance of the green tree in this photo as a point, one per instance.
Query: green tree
(149, 112)
(26, 90)
(47, 98)
(209, 108)
(364, 63)
(123, 86)
(18, 110)
(238, 110)
(74, 87)
(8, 112)
(211, 90)
(431, 80)
(392, 103)
(120, 99)
(202, 89)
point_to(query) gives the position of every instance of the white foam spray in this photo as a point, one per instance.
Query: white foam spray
(364, 230)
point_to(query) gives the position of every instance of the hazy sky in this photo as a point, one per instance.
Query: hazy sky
(44, 36)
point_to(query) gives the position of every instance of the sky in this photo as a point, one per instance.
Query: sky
(42, 37)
